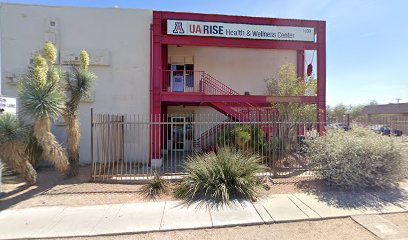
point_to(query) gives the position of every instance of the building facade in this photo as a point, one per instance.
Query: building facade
(166, 65)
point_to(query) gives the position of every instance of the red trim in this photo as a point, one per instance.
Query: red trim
(321, 75)
(239, 19)
(300, 64)
(237, 43)
(155, 109)
(180, 98)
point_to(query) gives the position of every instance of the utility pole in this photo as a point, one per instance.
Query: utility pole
(398, 100)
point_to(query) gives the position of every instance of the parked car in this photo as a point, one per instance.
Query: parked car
(397, 132)
(385, 130)
(381, 129)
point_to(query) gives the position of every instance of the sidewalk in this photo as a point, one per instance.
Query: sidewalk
(48, 222)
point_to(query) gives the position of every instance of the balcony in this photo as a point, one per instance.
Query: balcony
(197, 87)
(186, 81)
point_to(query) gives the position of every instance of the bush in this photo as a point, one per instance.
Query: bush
(155, 187)
(358, 158)
(221, 177)
(13, 143)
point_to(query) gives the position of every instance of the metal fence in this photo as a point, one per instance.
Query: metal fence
(132, 147)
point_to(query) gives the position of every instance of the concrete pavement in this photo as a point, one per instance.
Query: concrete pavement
(48, 222)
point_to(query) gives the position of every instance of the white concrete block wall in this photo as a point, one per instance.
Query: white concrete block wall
(122, 87)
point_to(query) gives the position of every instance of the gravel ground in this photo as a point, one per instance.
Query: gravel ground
(333, 229)
(54, 189)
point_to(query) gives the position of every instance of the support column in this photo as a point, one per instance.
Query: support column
(155, 91)
(321, 76)
(300, 68)
(300, 63)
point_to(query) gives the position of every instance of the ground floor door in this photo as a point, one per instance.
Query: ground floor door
(178, 137)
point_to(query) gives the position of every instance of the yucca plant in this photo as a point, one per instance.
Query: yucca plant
(155, 187)
(7, 175)
(13, 139)
(34, 150)
(78, 85)
(41, 96)
(230, 174)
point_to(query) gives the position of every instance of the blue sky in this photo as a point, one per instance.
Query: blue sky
(367, 40)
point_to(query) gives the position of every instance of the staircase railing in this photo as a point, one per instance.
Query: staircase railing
(204, 83)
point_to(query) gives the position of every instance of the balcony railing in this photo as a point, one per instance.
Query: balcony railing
(182, 81)
(193, 81)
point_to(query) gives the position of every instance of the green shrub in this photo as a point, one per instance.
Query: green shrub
(358, 158)
(221, 177)
(155, 187)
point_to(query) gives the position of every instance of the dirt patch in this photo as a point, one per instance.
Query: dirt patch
(327, 229)
(54, 189)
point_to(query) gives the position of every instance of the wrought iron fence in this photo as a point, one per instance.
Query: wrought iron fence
(131, 147)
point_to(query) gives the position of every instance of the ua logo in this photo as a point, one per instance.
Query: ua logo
(178, 28)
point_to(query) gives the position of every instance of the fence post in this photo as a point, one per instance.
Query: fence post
(92, 148)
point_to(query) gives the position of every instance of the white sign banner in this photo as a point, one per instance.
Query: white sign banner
(8, 105)
(236, 30)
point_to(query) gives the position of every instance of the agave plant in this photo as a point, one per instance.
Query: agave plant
(79, 85)
(42, 97)
(219, 178)
(13, 140)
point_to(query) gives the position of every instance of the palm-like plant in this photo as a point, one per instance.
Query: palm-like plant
(42, 97)
(13, 138)
(79, 85)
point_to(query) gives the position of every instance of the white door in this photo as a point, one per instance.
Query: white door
(177, 77)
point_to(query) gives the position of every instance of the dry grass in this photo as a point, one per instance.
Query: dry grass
(73, 137)
(52, 150)
(16, 158)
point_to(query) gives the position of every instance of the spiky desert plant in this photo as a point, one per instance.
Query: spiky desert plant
(79, 85)
(7, 175)
(156, 186)
(13, 139)
(229, 174)
(42, 97)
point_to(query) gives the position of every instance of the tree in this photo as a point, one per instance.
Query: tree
(13, 144)
(287, 83)
(373, 102)
(355, 111)
(340, 111)
(337, 112)
(79, 84)
(41, 96)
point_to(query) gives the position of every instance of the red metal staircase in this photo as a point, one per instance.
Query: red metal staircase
(241, 112)
(200, 82)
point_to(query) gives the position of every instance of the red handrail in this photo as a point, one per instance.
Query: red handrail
(202, 82)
